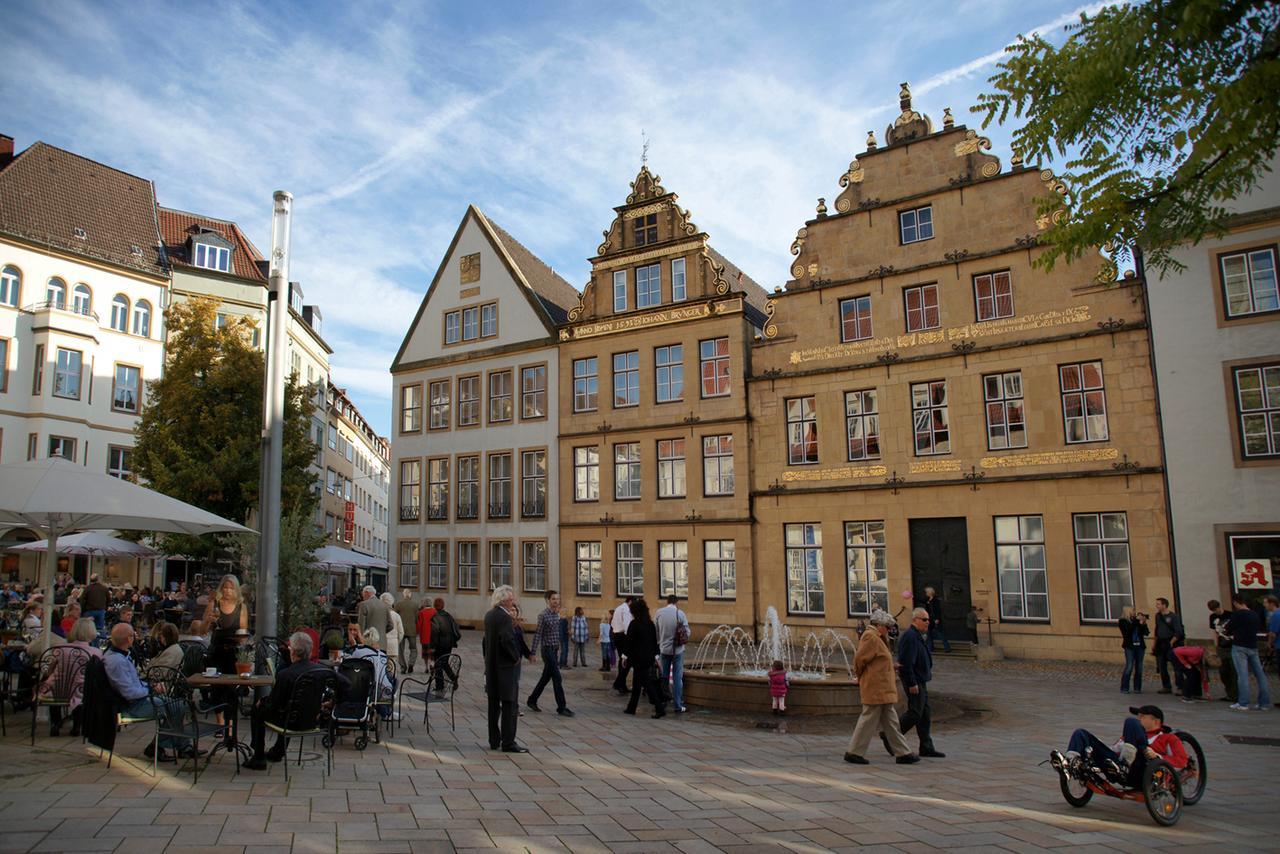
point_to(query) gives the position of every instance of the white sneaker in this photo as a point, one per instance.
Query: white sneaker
(1239, 707)
(1128, 753)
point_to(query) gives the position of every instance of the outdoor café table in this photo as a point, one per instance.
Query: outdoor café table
(225, 680)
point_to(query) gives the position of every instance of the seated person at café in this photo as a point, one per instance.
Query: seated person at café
(369, 648)
(31, 615)
(81, 636)
(70, 614)
(196, 632)
(165, 649)
(274, 708)
(137, 700)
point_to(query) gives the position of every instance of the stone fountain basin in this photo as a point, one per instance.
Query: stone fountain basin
(834, 695)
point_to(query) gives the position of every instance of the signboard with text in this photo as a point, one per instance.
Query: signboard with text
(349, 522)
(1253, 574)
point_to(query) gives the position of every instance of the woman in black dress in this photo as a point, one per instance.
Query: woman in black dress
(224, 617)
(642, 648)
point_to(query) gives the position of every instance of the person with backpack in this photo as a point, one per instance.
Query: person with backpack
(445, 636)
(673, 635)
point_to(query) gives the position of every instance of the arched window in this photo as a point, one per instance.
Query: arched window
(120, 313)
(56, 293)
(10, 286)
(142, 319)
(82, 299)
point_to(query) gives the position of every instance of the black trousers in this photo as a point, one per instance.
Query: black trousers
(503, 715)
(1227, 672)
(258, 731)
(643, 681)
(917, 715)
(624, 667)
(550, 673)
(1161, 652)
(441, 668)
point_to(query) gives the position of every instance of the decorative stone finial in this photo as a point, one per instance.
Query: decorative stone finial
(822, 207)
(909, 124)
(1015, 160)
(871, 139)
(948, 120)
(904, 98)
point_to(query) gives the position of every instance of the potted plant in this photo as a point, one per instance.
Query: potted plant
(244, 660)
(332, 641)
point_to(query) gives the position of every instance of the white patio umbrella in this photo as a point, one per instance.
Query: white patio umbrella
(336, 556)
(94, 543)
(55, 496)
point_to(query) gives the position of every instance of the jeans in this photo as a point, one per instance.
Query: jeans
(1133, 656)
(169, 712)
(1247, 661)
(606, 656)
(675, 663)
(99, 619)
(1133, 734)
(550, 673)
(580, 653)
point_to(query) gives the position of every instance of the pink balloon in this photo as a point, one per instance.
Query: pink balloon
(906, 594)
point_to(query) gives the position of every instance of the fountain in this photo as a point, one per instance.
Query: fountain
(729, 669)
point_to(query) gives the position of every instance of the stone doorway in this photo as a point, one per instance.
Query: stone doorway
(940, 559)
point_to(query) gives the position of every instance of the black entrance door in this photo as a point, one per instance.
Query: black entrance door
(940, 559)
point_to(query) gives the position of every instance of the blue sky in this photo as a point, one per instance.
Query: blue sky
(386, 120)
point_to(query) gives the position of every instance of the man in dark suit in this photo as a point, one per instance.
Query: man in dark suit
(933, 605)
(916, 664)
(501, 682)
(274, 708)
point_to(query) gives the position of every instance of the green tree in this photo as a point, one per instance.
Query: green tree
(1168, 108)
(198, 439)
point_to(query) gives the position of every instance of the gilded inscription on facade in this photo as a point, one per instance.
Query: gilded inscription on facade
(675, 314)
(934, 466)
(469, 268)
(842, 473)
(1051, 458)
(1039, 320)
(628, 260)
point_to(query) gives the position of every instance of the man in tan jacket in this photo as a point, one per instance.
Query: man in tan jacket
(873, 667)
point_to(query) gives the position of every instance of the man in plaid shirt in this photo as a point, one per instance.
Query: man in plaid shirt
(546, 643)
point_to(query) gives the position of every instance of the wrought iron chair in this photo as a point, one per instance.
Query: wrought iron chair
(446, 673)
(176, 715)
(59, 673)
(305, 715)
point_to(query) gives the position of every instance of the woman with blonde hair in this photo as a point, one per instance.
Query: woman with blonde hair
(1133, 635)
(224, 616)
(81, 637)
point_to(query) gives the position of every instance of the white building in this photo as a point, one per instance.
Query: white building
(83, 285)
(1216, 333)
(474, 449)
(357, 480)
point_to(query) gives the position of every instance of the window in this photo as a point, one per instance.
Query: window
(33, 444)
(533, 484)
(488, 320)
(10, 286)
(66, 376)
(331, 481)
(673, 568)
(409, 565)
(438, 416)
(4, 365)
(587, 568)
(1006, 425)
(620, 290)
(922, 307)
(1020, 567)
(678, 292)
(120, 313)
(499, 563)
(142, 322)
(669, 362)
(500, 406)
(585, 385)
(333, 437)
(1102, 561)
(862, 424)
(471, 323)
(802, 431)
(916, 225)
(630, 563)
(929, 415)
(721, 569)
(804, 568)
(714, 356)
(329, 523)
(468, 565)
(55, 293)
(350, 450)
(213, 257)
(437, 565)
(438, 489)
(533, 392)
(452, 327)
(120, 462)
(1249, 282)
(648, 286)
(468, 401)
(993, 295)
(646, 229)
(586, 474)
(626, 471)
(1084, 402)
(37, 371)
(867, 569)
(535, 565)
(411, 408)
(500, 486)
(62, 446)
(855, 318)
(1258, 404)
(671, 471)
(468, 487)
(410, 490)
(717, 465)
(626, 379)
(82, 299)
(125, 396)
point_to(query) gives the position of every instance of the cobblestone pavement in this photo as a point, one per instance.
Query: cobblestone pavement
(603, 781)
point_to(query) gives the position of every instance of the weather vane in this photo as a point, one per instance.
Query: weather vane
(644, 149)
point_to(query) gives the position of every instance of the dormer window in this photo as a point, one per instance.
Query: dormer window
(211, 256)
(646, 229)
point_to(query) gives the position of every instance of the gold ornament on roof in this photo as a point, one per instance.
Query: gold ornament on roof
(972, 144)
(904, 101)
(822, 207)
(871, 139)
(948, 120)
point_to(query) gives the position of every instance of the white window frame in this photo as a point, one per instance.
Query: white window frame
(586, 384)
(857, 306)
(626, 379)
(1260, 300)
(648, 286)
(717, 466)
(586, 473)
(1002, 395)
(619, 290)
(719, 562)
(627, 483)
(1019, 544)
(866, 567)
(588, 568)
(1095, 424)
(679, 291)
(668, 373)
(923, 418)
(533, 565)
(629, 567)
(672, 480)
(913, 223)
(1108, 568)
(802, 542)
(673, 568)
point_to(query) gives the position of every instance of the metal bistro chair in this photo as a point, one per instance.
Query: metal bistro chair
(61, 668)
(452, 667)
(386, 698)
(304, 715)
(176, 715)
(193, 657)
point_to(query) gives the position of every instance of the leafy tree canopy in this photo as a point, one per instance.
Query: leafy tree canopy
(1169, 108)
(199, 437)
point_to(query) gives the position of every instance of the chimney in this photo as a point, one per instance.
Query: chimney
(6, 150)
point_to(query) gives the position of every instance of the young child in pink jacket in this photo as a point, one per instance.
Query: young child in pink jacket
(778, 685)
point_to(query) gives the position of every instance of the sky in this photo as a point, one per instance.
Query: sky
(385, 120)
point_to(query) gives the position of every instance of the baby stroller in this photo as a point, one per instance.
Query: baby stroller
(355, 710)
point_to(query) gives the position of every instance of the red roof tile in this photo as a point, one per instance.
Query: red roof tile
(177, 226)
